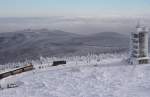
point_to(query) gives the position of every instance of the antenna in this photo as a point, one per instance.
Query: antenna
(138, 24)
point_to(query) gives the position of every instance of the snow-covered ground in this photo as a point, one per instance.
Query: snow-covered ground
(110, 77)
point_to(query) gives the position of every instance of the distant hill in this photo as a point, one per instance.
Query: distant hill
(24, 45)
(107, 39)
(104, 42)
(31, 44)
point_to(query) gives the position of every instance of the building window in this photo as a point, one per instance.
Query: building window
(135, 35)
(135, 41)
(135, 47)
(135, 52)
(143, 61)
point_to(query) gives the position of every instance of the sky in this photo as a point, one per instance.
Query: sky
(78, 16)
(98, 8)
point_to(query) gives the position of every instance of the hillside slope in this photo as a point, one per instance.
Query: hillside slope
(32, 44)
(22, 45)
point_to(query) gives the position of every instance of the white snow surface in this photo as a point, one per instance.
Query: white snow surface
(110, 78)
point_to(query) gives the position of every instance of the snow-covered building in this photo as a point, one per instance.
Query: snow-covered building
(139, 46)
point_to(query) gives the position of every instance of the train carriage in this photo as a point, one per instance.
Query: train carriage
(17, 71)
(56, 63)
(5, 75)
(28, 68)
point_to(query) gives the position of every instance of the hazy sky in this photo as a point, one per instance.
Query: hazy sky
(45, 8)
(82, 15)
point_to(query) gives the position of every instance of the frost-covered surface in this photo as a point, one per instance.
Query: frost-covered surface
(110, 78)
(90, 59)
